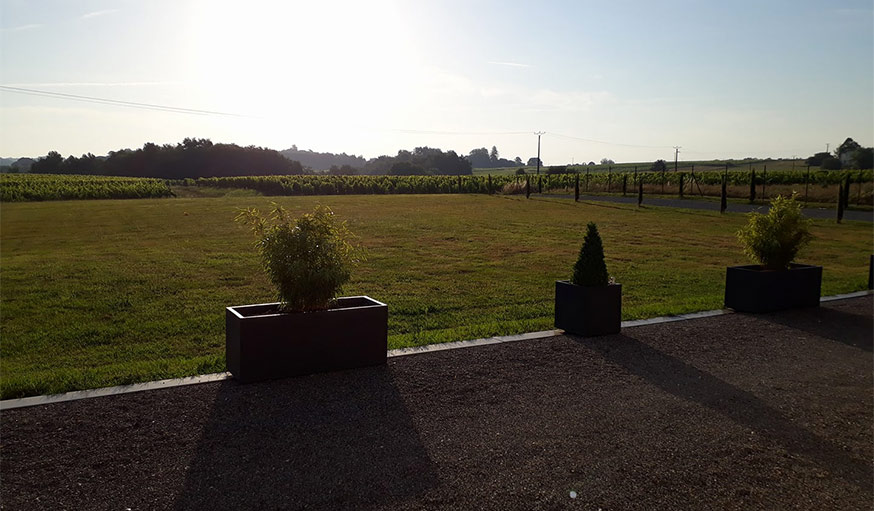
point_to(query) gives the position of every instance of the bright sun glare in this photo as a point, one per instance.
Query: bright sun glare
(307, 61)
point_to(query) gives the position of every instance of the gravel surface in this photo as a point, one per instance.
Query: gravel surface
(730, 412)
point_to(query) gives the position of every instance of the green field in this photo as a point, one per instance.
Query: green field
(40, 187)
(97, 293)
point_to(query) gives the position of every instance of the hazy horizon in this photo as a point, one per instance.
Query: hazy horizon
(625, 81)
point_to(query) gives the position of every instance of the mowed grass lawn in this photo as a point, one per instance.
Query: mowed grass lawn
(98, 293)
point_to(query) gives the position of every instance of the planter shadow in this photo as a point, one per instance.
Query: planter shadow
(855, 330)
(685, 381)
(342, 440)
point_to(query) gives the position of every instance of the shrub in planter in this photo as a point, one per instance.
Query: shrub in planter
(308, 330)
(773, 240)
(590, 303)
(308, 259)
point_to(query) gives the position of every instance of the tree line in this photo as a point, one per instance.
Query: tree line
(192, 158)
(849, 155)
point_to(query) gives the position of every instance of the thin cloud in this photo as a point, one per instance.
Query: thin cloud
(22, 27)
(97, 13)
(508, 64)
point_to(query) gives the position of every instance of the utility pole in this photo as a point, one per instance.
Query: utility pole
(826, 146)
(538, 133)
(676, 155)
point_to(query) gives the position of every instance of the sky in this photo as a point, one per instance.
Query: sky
(625, 80)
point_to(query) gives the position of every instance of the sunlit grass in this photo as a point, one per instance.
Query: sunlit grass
(97, 293)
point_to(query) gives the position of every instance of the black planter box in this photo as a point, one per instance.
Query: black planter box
(588, 311)
(262, 343)
(752, 289)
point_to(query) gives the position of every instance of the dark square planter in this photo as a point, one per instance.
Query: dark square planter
(261, 343)
(588, 311)
(752, 289)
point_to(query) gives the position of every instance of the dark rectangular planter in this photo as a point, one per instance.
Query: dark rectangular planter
(262, 343)
(752, 289)
(588, 311)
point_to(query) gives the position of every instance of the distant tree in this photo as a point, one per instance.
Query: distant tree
(607, 161)
(518, 161)
(659, 166)
(422, 160)
(194, 158)
(482, 158)
(816, 159)
(23, 164)
(591, 163)
(863, 158)
(48, 164)
(831, 163)
(532, 162)
(406, 168)
(323, 161)
(479, 158)
(849, 146)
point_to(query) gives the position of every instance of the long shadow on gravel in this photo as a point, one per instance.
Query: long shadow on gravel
(851, 329)
(331, 441)
(676, 377)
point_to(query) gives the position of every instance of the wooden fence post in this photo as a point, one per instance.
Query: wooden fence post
(490, 185)
(840, 202)
(527, 187)
(752, 186)
(681, 176)
(723, 201)
(764, 182)
(806, 183)
(624, 184)
(577, 189)
(847, 192)
(639, 192)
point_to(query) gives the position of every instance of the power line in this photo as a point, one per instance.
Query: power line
(166, 108)
(430, 132)
(106, 101)
(609, 143)
(195, 111)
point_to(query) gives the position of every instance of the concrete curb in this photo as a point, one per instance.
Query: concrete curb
(10, 404)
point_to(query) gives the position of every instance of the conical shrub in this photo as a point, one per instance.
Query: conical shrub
(590, 268)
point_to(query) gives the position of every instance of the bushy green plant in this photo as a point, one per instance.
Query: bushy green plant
(590, 268)
(774, 239)
(308, 259)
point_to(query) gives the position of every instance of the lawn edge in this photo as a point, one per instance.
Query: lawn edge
(11, 404)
